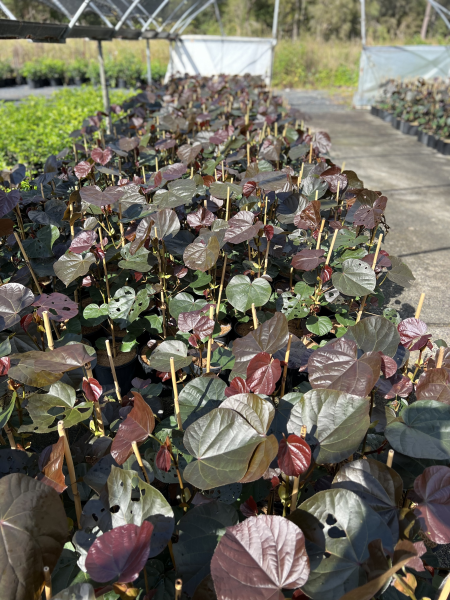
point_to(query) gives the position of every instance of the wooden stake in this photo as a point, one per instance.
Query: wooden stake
(295, 487)
(266, 258)
(227, 214)
(265, 208)
(285, 368)
(310, 152)
(208, 355)
(139, 460)
(440, 357)
(113, 370)
(178, 589)
(48, 330)
(20, 222)
(122, 238)
(75, 151)
(390, 458)
(248, 154)
(255, 318)
(419, 306)
(156, 164)
(337, 192)
(71, 469)
(374, 263)
(47, 583)
(331, 246)
(445, 591)
(222, 279)
(291, 276)
(9, 435)
(319, 237)
(143, 173)
(72, 228)
(97, 410)
(104, 263)
(175, 394)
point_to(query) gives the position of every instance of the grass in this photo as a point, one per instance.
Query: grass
(38, 127)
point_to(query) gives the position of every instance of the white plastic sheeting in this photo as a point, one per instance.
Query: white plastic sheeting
(380, 63)
(213, 55)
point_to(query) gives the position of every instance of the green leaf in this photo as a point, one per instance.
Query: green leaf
(119, 307)
(184, 303)
(335, 421)
(95, 314)
(203, 279)
(71, 266)
(220, 190)
(47, 409)
(199, 533)
(400, 273)
(200, 396)
(222, 357)
(423, 431)
(160, 357)
(199, 256)
(41, 245)
(340, 524)
(318, 325)
(343, 320)
(242, 293)
(180, 192)
(218, 461)
(141, 303)
(357, 254)
(5, 348)
(6, 410)
(347, 237)
(135, 262)
(356, 279)
(291, 306)
(303, 290)
(375, 334)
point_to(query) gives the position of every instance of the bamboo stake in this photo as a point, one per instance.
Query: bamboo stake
(291, 276)
(419, 306)
(208, 355)
(248, 154)
(390, 458)
(113, 369)
(48, 330)
(9, 435)
(178, 589)
(20, 222)
(97, 410)
(266, 258)
(445, 590)
(175, 393)
(337, 192)
(156, 164)
(139, 460)
(35, 279)
(295, 487)
(75, 151)
(310, 152)
(72, 229)
(285, 368)
(122, 238)
(319, 237)
(104, 263)
(265, 209)
(440, 357)
(255, 318)
(47, 583)
(331, 246)
(227, 214)
(71, 469)
(374, 263)
(222, 279)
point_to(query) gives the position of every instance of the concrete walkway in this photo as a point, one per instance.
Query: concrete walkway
(416, 181)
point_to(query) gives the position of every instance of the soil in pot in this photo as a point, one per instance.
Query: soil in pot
(242, 329)
(125, 365)
(225, 328)
(295, 327)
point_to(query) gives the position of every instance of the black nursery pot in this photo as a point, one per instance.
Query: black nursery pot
(443, 147)
(408, 128)
(374, 111)
(386, 116)
(395, 123)
(125, 374)
(427, 139)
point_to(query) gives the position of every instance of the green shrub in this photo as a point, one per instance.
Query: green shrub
(76, 68)
(6, 69)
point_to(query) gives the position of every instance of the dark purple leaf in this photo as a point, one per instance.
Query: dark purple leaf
(8, 201)
(83, 241)
(263, 372)
(237, 386)
(333, 176)
(138, 425)
(321, 142)
(82, 169)
(310, 217)
(127, 144)
(397, 385)
(241, 228)
(248, 188)
(294, 456)
(94, 195)
(370, 216)
(92, 389)
(120, 553)
(102, 156)
(434, 384)
(413, 333)
(59, 306)
(173, 172)
(308, 260)
(200, 218)
(388, 366)
(187, 153)
(249, 508)
(433, 508)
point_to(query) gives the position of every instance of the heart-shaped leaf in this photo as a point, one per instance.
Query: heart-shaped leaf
(400, 273)
(138, 425)
(50, 463)
(241, 228)
(83, 241)
(263, 372)
(308, 260)
(356, 278)
(102, 157)
(120, 554)
(434, 384)
(34, 531)
(70, 266)
(200, 396)
(92, 194)
(59, 306)
(14, 297)
(335, 423)
(369, 216)
(165, 224)
(202, 256)
(160, 357)
(242, 292)
(294, 456)
(413, 333)
(183, 303)
(8, 201)
(433, 506)
(309, 218)
(265, 555)
(375, 334)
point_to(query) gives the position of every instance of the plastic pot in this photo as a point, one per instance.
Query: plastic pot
(223, 339)
(125, 374)
(395, 123)
(427, 139)
(374, 111)
(443, 147)
(408, 128)
(387, 116)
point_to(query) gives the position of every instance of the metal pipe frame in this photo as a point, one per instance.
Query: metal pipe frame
(7, 12)
(219, 18)
(192, 17)
(78, 14)
(152, 17)
(173, 13)
(184, 16)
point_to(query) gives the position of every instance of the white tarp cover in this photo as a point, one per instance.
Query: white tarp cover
(380, 63)
(213, 55)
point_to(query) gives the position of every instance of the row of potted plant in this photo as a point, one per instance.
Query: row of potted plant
(420, 108)
(124, 71)
(195, 290)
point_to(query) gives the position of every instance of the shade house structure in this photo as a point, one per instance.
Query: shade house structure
(205, 55)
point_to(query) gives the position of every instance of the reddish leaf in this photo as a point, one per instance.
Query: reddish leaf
(83, 241)
(174, 171)
(8, 201)
(201, 325)
(263, 372)
(87, 281)
(413, 333)
(163, 375)
(219, 137)
(180, 271)
(370, 216)
(275, 482)
(5, 365)
(433, 508)
(382, 260)
(308, 260)
(127, 144)
(434, 384)
(336, 366)
(268, 231)
(208, 180)
(26, 321)
(241, 228)
(264, 554)
(294, 456)
(163, 458)
(326, 274)
(102, 156)
(388, 365)
(333, 176)
(58, 360)
(397, 385)
(193, 340)
(248, 188)
(120, 553)
(321, 142)
(200, 218)
(92, 389)
(138, 425)
(336, 225)
(237, 386)
(59, 306)
(94, 195)
(51, 462)
(249, 508)
(82, 169)
(310, 217)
